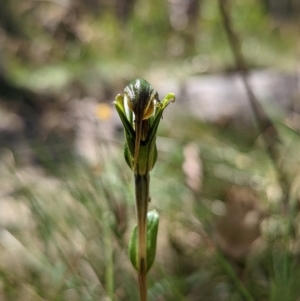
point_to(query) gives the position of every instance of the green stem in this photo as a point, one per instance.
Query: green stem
(142, 199)
(232, 274)
(109, 274)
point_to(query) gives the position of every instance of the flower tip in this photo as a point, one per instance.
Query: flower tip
(172, 97)
(118, 99)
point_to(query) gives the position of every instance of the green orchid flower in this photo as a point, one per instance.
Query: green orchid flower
(140, 111)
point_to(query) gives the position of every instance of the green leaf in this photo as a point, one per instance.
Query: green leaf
(152, 230)
(133, 248)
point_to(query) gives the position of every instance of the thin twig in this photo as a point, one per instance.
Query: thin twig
(265, 125)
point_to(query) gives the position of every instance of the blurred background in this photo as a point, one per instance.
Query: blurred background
(227, 190)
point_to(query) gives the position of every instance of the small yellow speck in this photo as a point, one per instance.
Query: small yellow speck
(103, 111)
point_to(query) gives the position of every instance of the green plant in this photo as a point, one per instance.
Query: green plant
(140, 111)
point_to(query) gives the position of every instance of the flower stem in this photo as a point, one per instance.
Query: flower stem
(142, 199)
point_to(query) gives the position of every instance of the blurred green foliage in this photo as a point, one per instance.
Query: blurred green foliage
(73, 39)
